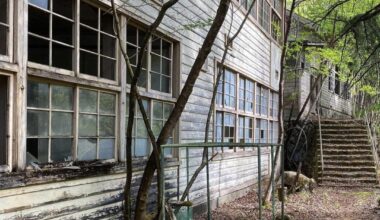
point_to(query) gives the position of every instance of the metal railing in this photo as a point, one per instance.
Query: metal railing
(259, 147)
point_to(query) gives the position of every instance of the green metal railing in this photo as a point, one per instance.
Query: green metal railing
(217, 145)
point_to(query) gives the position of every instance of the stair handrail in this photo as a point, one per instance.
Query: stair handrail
(320, 140)
(373, 142)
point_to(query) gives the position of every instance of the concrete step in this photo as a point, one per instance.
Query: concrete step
(344, 151)
(341, 121)
(351, 157)
(343, 141)
(342, 126)
(348, 180)
(348, 167)
(347, 163)
(345, 136)
(336, 184)
(341, 131)
(348, 174)
(344, 146)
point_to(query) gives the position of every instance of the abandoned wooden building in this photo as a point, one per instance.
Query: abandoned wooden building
(63, 101)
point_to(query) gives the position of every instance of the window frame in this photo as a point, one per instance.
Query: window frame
(10, 149)
(9, 42)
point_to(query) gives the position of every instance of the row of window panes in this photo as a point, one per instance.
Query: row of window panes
(50, 123)
(225, 129)
(4, 27)
(158, 112)
(226, 96)
(51, 42)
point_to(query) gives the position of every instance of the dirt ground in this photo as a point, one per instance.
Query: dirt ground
(323, 204)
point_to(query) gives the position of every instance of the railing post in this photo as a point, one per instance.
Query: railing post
(282, 149)
(259, 182)
(273, 183)
(162, 183)
(208, 188)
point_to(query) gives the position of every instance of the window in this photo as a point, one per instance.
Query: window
(274, 105)
(264, 15)
(97, 42)
(337, 84)
(4, 27)
(51, 29)
(245, 129)
(278, 5)
(225, 127)
(50, 122)
(262, 96)
(331, 82)
(3, 120)
(261, 131)
(158, 112)
(96, 129)
(276, 27)
(160, 52)
(227, 90)
(246, 95)
(254, 9)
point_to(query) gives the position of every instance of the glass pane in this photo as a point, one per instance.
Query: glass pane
(107, 103)
(64, 8)
(3, 40)
(4, 11)
(106, 148)
(141, 147)
(61, 124)
(38, 95)
(38, 21)
(156, 45)
(166, 67)
(166, 49)
(157, 110)
(88, 101)
(156, 127)
(141, 129)
(146, 108)
(106, 126)
(40, 3)
(131, 35)
(62, 97)
(87, 149)
(87, 125)
(132, 54)
(88, 15)
(61, 149)
(167, 110)
(165, 84)
(107, 67)
(37, 123)
(155, 81)
(88, 39)
(156, 63)
(37, 150)
(38, 50)
(88, 63)
(107, 45)
(60, 51)
(62, 30)
(106, 22)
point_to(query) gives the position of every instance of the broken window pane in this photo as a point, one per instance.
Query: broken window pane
(40, 3)
(61, 124)
(62, 30)
(38, 50)
(107, 68)
(38, 95)
(61, 149)
(88, 15)
(88, 63)
(37, 150)
(106, 22)
(106, 126)
(4, 11)
(107, 103)
(38, 123)
(87, 125)
(62, 97)
(88, 101)
(3, 40)
(106, 148)
(62, 56)
(87, 149)
(64, 8)
(88, 39)
(38, 21)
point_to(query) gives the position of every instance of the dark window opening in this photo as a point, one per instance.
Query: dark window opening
(38, 50)
(3, 119)
(337, 84)
(37, 150)
(3, 40)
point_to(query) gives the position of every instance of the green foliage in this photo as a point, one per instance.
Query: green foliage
(198, 24)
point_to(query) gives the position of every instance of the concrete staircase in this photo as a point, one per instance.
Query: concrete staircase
(347, 154)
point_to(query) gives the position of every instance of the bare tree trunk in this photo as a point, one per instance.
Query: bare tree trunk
(150, 168)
